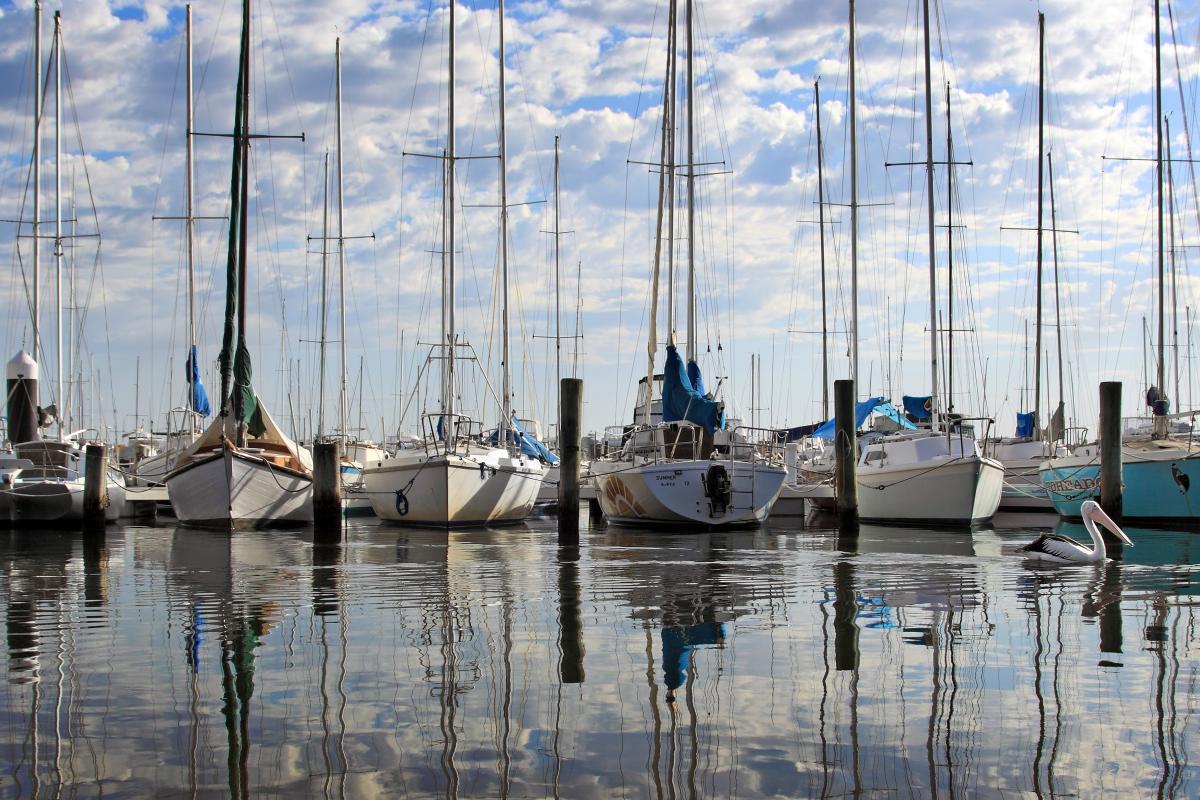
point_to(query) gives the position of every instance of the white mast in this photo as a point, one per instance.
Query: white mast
(557, 292)
(343, 411)
(189, 227)
(37, 177)
(506, 379)
(448, 299)
(1160, 422)
(933, 333)
(691, 197)
(853, 213)
(1037, 326)
(58, 246)
(324, 300)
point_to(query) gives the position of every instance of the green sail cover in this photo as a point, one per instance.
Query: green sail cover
(243, 371)
(226, 358)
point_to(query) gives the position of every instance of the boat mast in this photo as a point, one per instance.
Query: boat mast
(933, 335)
(239, 395)
(665, 181)
(343, 399)
(448, 299)
(1160, 422)
(1057, 305)
(821, 228)
(854, 210)
(1174, 274)
(505, 347)
(557, 292)
(58, 234)
(1037, 327)
(37, 178)
(189, 224)
(691, 195)
(324, 299)
(949, 259)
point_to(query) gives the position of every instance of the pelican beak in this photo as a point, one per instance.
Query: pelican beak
(1098, 515)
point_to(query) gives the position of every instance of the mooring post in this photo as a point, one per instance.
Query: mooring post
(1111, 499)
(569, 452)
(95, 487)
(846, 451)
(327, 488)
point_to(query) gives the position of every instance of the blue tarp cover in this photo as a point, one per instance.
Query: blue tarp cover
(918, 407)
(682, 401)
(862, 410)
(1025, 425)
(200, 402)
(530, 446)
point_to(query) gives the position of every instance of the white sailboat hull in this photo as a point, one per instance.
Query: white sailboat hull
(235, 491)
(419, 487)
(676, 493)
(955, 492)
(54, 502)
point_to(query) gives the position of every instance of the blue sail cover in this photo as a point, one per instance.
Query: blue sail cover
(693, 370)
(918, 407)
(862, 410)
(680, 400)
(530, 446)
(200, 402)
(1025, 425)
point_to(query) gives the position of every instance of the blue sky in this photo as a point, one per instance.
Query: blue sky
(590, 72)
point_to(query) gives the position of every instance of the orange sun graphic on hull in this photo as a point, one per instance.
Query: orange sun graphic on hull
(621, 499)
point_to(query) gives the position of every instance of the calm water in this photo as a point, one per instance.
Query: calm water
(778, 662)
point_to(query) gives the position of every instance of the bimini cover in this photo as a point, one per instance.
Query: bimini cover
(863, 410)
(681, 401)
(919, 407)
(1025, 425)
(530, 446)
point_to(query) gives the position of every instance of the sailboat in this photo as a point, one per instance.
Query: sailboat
(934, 475)
(1022, 454)
(456, 476)
(1159, 467)
(242, 472)
(183, 423)
(50, 490)
(686, 468)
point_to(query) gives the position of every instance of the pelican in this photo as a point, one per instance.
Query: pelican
(1061, 550)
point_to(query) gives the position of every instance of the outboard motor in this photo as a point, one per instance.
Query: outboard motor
(22, 398)
(718, 488)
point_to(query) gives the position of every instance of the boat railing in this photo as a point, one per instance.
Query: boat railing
(750, 443)
(465, 431)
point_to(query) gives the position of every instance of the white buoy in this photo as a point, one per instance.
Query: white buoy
(22, 393)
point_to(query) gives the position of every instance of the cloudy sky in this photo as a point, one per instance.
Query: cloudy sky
(591, 73)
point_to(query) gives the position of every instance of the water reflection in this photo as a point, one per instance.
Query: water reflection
(497, 663)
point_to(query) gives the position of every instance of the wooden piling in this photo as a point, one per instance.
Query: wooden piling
(95, 487)
(327, 488)
(846, 451)
(571, 403)
(1111, 499)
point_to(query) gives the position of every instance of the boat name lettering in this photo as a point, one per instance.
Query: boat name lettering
(1073, 484)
